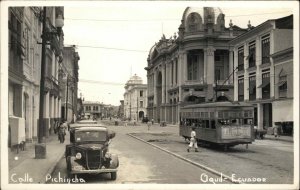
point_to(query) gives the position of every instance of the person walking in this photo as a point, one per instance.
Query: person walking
(62, 132)
(193, 141)
(276, 131)
(149, 125)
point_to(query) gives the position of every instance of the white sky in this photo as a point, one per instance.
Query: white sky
(137, 26)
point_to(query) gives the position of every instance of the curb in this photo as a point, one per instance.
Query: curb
(51, 169)
(226, 177)
(285, 140)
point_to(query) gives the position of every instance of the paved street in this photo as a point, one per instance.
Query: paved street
(143, 163)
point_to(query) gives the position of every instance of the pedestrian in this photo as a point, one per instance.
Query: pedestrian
(62, 132)
(276, 131)
(134, 122)
(149, 125)
(125, 123)
(193, 141)
(152, 121)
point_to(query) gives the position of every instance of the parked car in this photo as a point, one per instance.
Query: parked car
(259, 133)
(88, 152)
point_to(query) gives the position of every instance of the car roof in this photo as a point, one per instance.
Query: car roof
(86, 125)
(91, 129)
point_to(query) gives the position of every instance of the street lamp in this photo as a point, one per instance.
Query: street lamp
(40, 148)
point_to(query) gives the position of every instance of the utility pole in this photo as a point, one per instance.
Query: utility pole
(40, 148)
(67, 97)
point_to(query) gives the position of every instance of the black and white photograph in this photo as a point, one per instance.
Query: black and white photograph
(149, 95)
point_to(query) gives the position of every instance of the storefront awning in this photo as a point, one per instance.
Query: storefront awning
(281, 83)
(263, 85)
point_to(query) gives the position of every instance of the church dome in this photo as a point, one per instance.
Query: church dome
(135, 80)
(203, 12)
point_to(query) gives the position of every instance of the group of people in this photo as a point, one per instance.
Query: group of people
(60, 129)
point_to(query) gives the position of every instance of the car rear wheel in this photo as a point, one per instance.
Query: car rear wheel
(113, 175)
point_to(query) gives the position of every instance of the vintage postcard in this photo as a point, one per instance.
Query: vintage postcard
(149, 95)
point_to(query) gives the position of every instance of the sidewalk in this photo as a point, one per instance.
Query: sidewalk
(24, 168)
(281, 138)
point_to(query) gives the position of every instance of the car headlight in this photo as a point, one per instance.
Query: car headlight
(78, 156)
(107, 155)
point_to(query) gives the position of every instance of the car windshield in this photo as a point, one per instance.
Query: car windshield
(83, 136)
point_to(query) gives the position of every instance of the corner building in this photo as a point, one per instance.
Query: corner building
(194, 67)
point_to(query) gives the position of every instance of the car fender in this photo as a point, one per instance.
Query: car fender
(114, 161)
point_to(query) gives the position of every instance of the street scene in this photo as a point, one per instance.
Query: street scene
(149, 95)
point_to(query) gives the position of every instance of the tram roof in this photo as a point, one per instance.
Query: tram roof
(219, 104)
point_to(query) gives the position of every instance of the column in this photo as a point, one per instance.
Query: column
(47, 114)
(163, 73)
(235, 81)
(59, 108)
(154, 88)
(210, 77)
(260, 115)
(205, 65)
(210, 65)
(231, 69)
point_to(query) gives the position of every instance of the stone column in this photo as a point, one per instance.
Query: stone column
(210, 65)
(47, 114)
(235, 82)
(231, 65)
(260, 115)
(154, 88)
(210, 77)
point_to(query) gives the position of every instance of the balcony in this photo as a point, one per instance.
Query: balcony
(51, 85)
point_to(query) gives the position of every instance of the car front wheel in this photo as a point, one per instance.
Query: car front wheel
(113, 175)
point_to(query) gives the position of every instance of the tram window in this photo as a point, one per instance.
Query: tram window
(213, 124)
(206, 123)
(223, 121)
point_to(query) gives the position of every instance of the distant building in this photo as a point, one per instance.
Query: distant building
(263, 57)
(93, 109)
(69, 83)
(191, 68)
(135, 99)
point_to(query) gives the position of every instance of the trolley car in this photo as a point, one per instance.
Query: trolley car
(219, 123)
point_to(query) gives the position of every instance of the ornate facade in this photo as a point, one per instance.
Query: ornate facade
(25, 29)
(193, 67)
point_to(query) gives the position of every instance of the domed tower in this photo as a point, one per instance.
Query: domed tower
(205, 20)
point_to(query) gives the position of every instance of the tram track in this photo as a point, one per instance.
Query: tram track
(206, 168)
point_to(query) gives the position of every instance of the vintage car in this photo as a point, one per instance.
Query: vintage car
(259, 133)
(88, 152)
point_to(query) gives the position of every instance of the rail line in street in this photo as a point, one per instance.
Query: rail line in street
(211, 170)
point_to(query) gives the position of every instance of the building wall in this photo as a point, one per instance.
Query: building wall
(280, 58)
(25, 30)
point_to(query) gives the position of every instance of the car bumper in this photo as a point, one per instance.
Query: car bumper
(81, 170)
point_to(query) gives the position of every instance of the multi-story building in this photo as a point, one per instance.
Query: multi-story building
(25, 29)
(69, 83)
(263, 58)
(193, 67)
(135, 99)
(93, 109)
